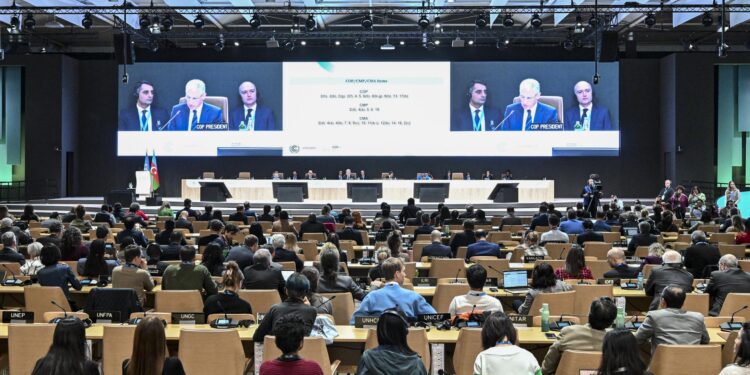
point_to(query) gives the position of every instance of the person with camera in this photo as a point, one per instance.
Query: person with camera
(591, 194)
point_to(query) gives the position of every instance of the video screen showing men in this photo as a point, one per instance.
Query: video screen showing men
(586, 115)
(529, 110)
(195, 113)
(251, 116)
(476, 117)
(144, 116)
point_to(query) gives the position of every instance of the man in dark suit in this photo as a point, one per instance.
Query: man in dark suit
(172, 251)
(728, 279)
(104, 216)
(671, 273)
(348, 233)
(540, 220)
(586, 116)
(239, 215)
(588, 233)
(311, 226)
(187, 116)
(700, 255)
(643, 238)
(477, 117)
(519, 116)
(425, 228)
(215, 226)
(620, 269)
(183, 222)
(464, 238)
(144, 116)
(55, 232)
(436, 248)
(261, 275)
(207, 213)
(251, 116)
(281, 254)
(510, 218)
(482, 247)
(409, 211)
(189, 209)
(666, 192)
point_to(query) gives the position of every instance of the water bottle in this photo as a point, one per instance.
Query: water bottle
(446, 229)
(640, 280)
(545, 317)
(620, 319)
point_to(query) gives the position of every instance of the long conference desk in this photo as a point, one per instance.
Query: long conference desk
(529, 191)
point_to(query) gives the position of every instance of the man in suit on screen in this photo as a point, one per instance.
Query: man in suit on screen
(519, 116)
(144, 116)
(586, 116)
(477, 117)
(251, 116)
(186, 116)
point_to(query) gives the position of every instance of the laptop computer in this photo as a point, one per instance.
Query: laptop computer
(515, 281)
(631, 231)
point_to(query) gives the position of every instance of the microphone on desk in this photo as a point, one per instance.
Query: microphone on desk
(321, 303)
(58, 319)
(562, 251)
(221, 307)
(170, 120)
(560, 324)
(731, 325)
(457, 273)
(504, 120)
(495, 269)
(632, 325)
(13, 281)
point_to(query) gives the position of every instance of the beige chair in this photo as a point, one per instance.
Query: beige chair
(457, 176)
(498, 236)
(26, 344)
(727, 351)
(736, 250)
(573, 362)
(244, 176)
(448, 268)
(641, 251)
(117, 347)
(686, 360)
(696, 302)
(554, 101)
(444, 294)
(461, 252)
(172, 301)
(216, 101)
(13, 267)
(536, 321)
(208, 175)
(558, 250)
(710, 228)
(313, 348)
(418, 247)
(165, 316)
(720, 238)
(647, 268)
(410, 269)
(38, 300)
(610, 237)
(715, 321)
(317, 237)
(237, 317)
(468, 346)
(288, 266)
(598, 268)
(543, 229)
(309, 250)
(416, 339)
(343, 306)
(597, 249)
(499, 266)
(513, 228)
(585, 294)
(733, 302)
(223, 347)
(555, 264)
(260, 300)
(561, 303)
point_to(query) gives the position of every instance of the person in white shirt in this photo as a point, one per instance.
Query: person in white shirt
(501, 355)
(35, 263)
(476, 300)
(554, 234)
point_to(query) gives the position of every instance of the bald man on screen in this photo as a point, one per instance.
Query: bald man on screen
(251, 116)
(586, 116)
(187, 116)
(519, 116)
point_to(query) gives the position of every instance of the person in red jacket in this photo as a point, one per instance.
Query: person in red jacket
(290, 333)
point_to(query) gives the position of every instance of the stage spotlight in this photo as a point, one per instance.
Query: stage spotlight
(219, 45)
(359, 44)
(423, 22)
(203, 44)
(502, 43)
(481, 21)
(198, 22)
(438, 24)
(87, 22)
(579, 29)
(236, 43)
(302, 43)
(310, 23)
(144, 22)
(14, 22)
(471, 42)
(596, 78)
(367, 22)
(722, 50)
(707, 19)
(536, 21)
(29, 22)
(155, 28)
(650, 20)
(508, 21)
(167, 23)
(255, 21)
(401, 43)
(289, 45)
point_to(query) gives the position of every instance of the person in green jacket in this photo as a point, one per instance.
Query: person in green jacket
(166, 210)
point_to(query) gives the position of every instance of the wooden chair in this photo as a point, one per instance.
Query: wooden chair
(13, 267)
(288, 266)
(444, 294)
(536, 321)
(417, 248)
(416, 339)
(260, 300)
(410, 269)
(165, 316)
(461, 252)
(457, 176)
(516, 255)
(237, 317)
(448, 268)
(573, 362)
(317, 237)
(719, 238)
(715, 321)
(223, 347)
(26, 344)
(585, 294)
(38, 300)
(499, 266)
(343, 306)
(498, 236)
(542, 229)
(597, 249)
(696, 302)
(513, 228)
(686, 360)
(207, 175)
(468, 346)
(745, 265)
(366, 237)
(313, 348)
(244, 176)
(198, 226)
(49, 315)
(710, 228)
(641, 251)
(172, 301)
(558, 250)
(309, 250)
(736, 250)
(727, 351)
(733, 302)
(611, 237)
(347, 245)
(598, 268)
(555, 264)
(73, 264)
(561, 303)
(117, 347)
(647, 270)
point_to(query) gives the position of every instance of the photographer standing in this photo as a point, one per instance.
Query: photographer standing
(591, 194)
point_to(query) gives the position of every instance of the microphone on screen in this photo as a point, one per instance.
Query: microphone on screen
(504, 120)
(170, 120)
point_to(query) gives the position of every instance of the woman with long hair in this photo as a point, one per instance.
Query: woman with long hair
(542, 281)
(619, 356)
(291, 243)
(213, 259)
(322, 304)
(228, 301)
(732, 193)
(393, 355)
(575, 265)
(395, 244)
(68, 354)
(696, 195)
(331, 281)
(359, 223)
(501, 355)
(72, 247)
(150, 355)
(257, 230)
(741, 364)
(28, 213)
(94, 265)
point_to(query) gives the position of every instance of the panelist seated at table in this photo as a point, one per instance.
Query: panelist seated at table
(251, 116)
(187, 116)
(586, 116)
(477, 116)
(519, 116)
(392, 295)
(476, 301)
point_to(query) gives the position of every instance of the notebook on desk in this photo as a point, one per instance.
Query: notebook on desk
(515, 282)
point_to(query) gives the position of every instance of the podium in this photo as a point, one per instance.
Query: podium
(432, 191)
(290, 191)
(504, 193)
(364, 191)
(214, 191)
